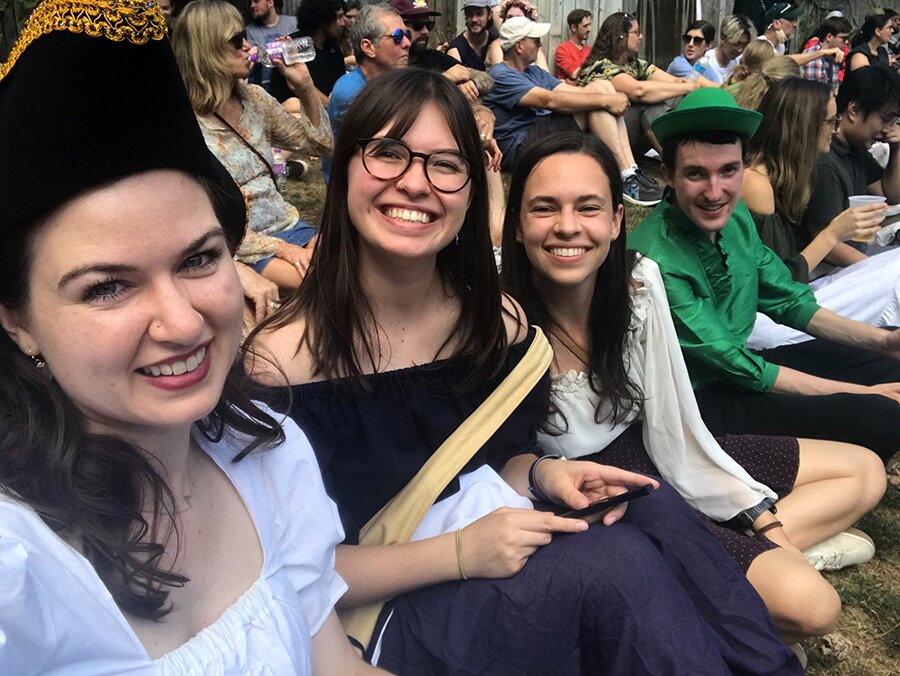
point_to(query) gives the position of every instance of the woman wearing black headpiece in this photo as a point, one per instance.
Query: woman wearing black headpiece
(131, 539)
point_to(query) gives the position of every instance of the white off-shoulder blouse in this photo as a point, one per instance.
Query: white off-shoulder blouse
(677, 441)
(57, 617)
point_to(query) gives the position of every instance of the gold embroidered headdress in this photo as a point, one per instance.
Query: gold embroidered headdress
(91, 94)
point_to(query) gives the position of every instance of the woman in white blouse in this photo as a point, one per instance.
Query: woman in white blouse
(153, 519)
(617, 361)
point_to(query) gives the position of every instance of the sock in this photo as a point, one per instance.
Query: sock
(630, 171)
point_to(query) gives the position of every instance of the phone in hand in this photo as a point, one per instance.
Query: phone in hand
(606, 504)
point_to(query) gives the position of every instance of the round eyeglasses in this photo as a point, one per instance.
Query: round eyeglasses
(387, 159)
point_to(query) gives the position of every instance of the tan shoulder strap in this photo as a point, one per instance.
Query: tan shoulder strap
(398, 519)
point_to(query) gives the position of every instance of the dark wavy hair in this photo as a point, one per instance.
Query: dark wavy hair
(610, 41)
(610, 310)
(872, 23)
(315, 14)
(90, 488)
(340, 329)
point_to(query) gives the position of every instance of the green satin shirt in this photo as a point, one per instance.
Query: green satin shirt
(715, 290)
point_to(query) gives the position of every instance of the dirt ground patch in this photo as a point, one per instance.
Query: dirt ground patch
(867, 639)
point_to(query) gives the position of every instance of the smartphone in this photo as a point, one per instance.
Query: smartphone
(607, 504)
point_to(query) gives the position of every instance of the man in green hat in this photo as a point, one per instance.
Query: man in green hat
(844, 386)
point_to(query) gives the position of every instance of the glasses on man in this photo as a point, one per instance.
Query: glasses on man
(237, 40)
(397, 35)
(387, 159)
(692, 39)
(418, 24)
(835, 123)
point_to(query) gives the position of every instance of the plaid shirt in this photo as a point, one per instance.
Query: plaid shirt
(822, 70)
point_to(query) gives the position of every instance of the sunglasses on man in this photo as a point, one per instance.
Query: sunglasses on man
(695, 40)
(418, 24)
(397, 35)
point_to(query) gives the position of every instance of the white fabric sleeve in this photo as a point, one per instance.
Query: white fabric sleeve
(27, 632)
(307, 524)
(677, 440)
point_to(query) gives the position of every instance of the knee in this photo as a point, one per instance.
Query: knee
(600, 86)
(869, 470)
(809, 605)
(819, 610)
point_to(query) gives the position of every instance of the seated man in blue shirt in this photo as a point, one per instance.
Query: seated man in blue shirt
(529, 103)
(380, 43)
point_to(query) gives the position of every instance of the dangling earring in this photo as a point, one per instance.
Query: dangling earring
(38, 360)
(457, 239)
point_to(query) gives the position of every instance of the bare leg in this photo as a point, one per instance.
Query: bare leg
(801, 602)
(605, 126)
(496, 205)
(836, 484)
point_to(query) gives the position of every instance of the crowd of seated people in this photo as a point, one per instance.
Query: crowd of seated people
(373, 443)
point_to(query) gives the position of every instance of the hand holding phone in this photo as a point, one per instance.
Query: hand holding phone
(606, 504)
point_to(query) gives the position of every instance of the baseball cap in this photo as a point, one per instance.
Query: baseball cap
(518, 28)
(413, 8)
(782, 10)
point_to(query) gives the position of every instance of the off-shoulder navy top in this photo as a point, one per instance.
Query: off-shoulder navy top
(370, 442)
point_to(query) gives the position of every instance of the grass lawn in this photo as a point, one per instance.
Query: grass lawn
(867, 639)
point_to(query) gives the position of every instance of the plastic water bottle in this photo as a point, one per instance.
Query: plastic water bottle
(696, 71)
(291, 50)
(279, 168)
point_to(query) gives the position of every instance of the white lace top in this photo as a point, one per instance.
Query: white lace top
(677, 440)
(57, 617)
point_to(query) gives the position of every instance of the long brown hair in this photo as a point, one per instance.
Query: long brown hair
(91, 488)
(611, 39)
(786, 142)
(341, 332)
(610, 310)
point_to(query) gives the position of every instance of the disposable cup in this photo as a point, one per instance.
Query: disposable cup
(861, 201)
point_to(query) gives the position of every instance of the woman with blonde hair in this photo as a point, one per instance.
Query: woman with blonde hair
(241, 123)
(754, 57)
(749, 91)
(799, 119)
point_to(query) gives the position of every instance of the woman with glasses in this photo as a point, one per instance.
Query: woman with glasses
(651, 90)
(799, 119)
(241, 123)
(697, 39)
(397, 335)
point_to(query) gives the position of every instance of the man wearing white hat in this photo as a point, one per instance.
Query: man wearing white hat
(529, 103)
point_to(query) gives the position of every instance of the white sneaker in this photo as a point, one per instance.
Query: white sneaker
(798, 650)
(842, 550)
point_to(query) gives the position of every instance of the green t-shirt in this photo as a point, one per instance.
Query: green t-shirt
(715, 291)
